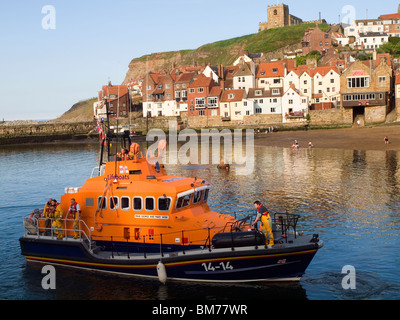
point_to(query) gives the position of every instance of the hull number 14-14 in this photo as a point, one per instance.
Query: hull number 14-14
(220, 266)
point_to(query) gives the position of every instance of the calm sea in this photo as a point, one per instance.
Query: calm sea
(350, 198)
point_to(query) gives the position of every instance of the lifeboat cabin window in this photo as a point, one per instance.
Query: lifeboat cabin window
(197, 196)
(183, 201)
(114, 203)
(125, 203)
(149, 204)
(164, 204)
(102, 203)
(206, 195)
(137, 203)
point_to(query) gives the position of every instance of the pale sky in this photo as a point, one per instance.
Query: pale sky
(51, 60)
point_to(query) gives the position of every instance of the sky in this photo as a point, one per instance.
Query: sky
(55, 53)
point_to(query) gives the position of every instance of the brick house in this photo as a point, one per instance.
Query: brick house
(118, 99)
(365, 90)
(198, 92)
(316, 40)
(181, 85)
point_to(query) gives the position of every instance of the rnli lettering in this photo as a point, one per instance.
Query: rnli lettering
(120, 177)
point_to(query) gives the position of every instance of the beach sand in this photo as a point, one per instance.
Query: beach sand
(364, 138)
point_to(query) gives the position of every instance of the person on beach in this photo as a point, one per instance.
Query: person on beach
(386, 140)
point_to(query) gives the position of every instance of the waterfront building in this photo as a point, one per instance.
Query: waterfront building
(198, 92)
(261, 101)
(294, 106)
(366, 90)
(118, 100)
(231, 105)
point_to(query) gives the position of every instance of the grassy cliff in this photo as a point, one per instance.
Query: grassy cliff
(222, 52)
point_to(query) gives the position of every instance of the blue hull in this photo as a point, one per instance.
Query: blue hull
(239, 265)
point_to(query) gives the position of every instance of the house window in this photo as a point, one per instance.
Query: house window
(212, 102)
(358, 82)
(231, 96)
(200, 90)
(258, 110)
(200, 102)
(275, 91)
(201, 113)
(290, 101)
(191, 90)
(273, 110)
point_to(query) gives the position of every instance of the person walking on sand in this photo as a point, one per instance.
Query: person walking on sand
(386, 140)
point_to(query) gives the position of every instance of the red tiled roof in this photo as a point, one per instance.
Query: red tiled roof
(215, 91)
(266, 70)
(390, 16)
(185, 77)
(201, 81)
(237, 95)
(323, 70)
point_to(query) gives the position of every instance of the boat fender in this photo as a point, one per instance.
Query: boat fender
(161, 272)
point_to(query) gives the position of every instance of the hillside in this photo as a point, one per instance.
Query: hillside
(272, 43)
(79, 112)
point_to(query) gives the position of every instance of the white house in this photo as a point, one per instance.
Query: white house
(261, 101)
(244, 77)
(231, 104)
(372, 40)
(340, 39)
(326, 85)
(294, 106)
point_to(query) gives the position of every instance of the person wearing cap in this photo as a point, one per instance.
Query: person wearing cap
(266, 222)
(75, 210)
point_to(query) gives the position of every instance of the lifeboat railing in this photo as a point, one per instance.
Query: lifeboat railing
(284, 222)
(37, 227)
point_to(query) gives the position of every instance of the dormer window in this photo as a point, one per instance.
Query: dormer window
(258, 92)
(231, 96)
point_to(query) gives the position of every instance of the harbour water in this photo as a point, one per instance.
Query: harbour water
(350, 198)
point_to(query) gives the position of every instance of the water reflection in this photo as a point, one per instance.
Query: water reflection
(351, 198)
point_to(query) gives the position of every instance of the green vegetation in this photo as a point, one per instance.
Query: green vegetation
(227, 51)
(392, 47)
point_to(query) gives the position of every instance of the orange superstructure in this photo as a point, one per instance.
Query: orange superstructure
(136, 201)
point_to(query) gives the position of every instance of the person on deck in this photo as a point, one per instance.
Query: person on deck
(48, 214)
(266, 222)
(75, 210)
(58, 217)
